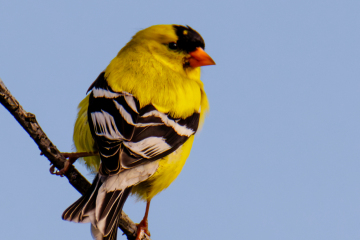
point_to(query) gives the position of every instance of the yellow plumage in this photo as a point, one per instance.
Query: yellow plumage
(169, 168)
(154, 75)
(158, 67)
(83, 140)
(152, 79)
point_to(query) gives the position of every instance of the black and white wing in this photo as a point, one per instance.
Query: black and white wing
(128, 135)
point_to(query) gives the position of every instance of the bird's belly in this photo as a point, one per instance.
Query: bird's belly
(169, 168)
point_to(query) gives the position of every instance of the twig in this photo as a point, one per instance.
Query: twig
(28, 122)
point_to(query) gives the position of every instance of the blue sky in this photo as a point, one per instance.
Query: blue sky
(278, 157)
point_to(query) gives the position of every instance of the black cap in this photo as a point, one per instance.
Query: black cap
(189, 39)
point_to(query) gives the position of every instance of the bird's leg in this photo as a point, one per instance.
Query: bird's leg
(72, 157)
(142, 227)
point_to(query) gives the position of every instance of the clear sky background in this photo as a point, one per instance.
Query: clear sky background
(278, 157)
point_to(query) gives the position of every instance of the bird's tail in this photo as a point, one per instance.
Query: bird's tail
(99, 207)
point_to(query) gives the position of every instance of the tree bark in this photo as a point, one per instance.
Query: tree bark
(28, 122)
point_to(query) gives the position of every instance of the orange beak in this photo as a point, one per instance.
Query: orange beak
(200, 58)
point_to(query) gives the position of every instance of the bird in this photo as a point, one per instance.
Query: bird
(136, 125)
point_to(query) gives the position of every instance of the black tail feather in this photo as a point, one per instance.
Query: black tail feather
(108, 208)
(75, 212)
(111, 209)
(97, 235)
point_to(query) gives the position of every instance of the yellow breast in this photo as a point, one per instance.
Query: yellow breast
(169, 168)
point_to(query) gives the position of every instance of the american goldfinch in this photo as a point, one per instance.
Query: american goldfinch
(140, 118)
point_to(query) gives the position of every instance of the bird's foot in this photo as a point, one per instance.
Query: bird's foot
(142, 228)
(71, 158)
(66, 168)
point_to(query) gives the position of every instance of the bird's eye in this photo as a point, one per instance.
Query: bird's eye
(173, 45)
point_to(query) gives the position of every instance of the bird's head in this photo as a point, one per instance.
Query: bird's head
(174, 45)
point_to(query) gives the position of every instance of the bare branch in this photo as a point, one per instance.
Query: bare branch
(28, 122)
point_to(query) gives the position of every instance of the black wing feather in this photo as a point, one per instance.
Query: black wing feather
(132, 136)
